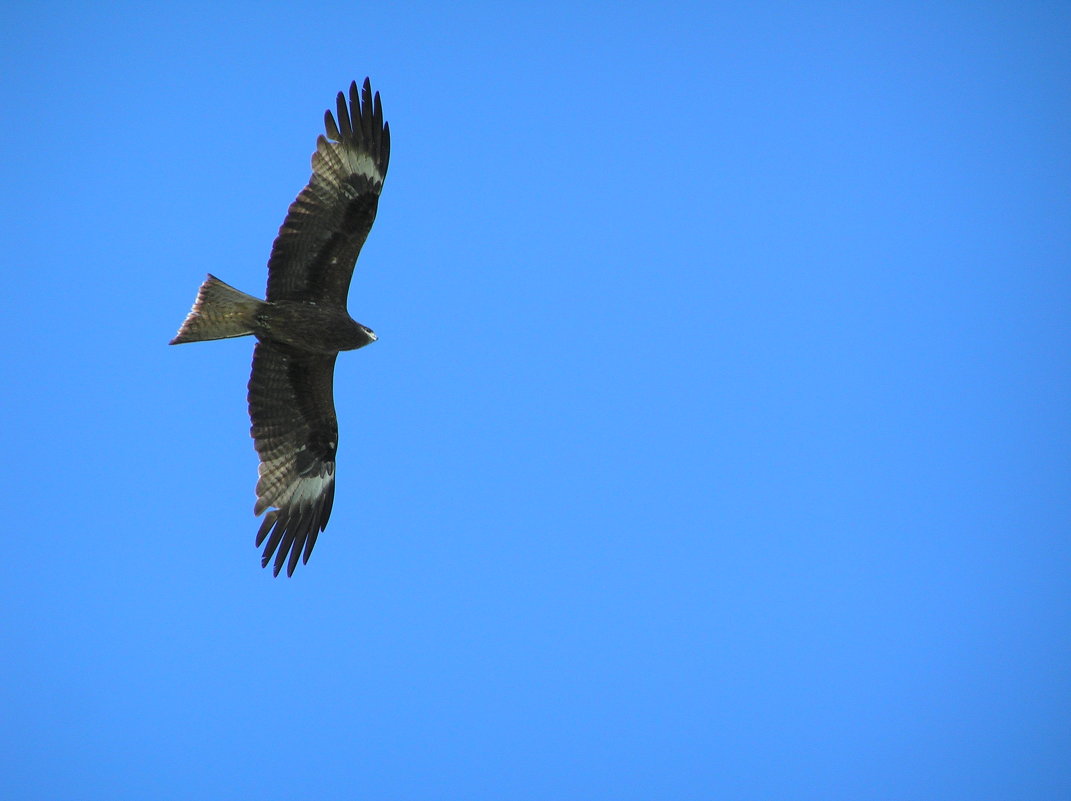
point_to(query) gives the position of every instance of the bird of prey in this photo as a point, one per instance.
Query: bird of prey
(302, 325)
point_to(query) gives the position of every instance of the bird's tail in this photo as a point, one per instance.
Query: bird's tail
(219, 312)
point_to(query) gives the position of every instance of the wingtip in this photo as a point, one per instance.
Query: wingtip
(345, 125)
(331, 127)
(280, 560)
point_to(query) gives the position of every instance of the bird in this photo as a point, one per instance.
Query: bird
(302, 325)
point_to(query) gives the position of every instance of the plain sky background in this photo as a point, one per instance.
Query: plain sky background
(716, 444)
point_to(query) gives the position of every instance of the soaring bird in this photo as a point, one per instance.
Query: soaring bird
(302, 325)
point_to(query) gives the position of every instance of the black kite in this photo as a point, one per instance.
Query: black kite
(302, 326)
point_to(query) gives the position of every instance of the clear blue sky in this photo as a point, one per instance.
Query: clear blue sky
(716, 444)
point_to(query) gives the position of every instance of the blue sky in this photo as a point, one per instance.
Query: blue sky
(716, 443)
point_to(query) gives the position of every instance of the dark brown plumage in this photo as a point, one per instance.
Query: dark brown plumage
(302, 326)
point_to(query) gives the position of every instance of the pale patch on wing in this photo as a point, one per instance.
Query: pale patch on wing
(345, 161)
(306, 490)
(279, 487)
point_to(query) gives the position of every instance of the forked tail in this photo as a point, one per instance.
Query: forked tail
(219, 312)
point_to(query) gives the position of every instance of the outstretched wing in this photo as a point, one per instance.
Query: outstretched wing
(313, 256)
(296, 434)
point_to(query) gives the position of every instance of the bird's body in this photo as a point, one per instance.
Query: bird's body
(303, 325)
(310, 327)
